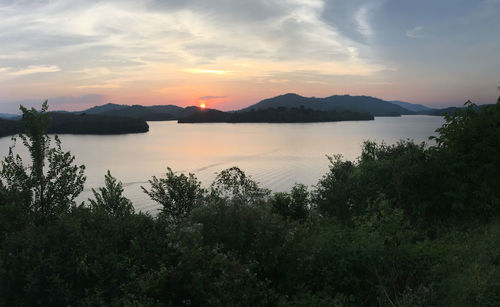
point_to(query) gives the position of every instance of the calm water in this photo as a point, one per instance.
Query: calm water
(276, 155)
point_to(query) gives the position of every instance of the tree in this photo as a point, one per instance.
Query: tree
(110, 198)
(178, 194)
(49, 185)
(294, 205)
(233, 184)
(468, 148)
(334, 193)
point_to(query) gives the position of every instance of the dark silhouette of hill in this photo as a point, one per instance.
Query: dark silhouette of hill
(411, 106)
(67, 123)
(188, 111)
(104, 108)
(148, 113)
(363, 104)
(95, 124)
(9, 127)
(440, 112)
(141, 112)
(9, 116)
(171, 109)
(450, 110)
(274, 115)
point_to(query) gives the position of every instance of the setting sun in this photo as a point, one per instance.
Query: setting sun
(203, 106)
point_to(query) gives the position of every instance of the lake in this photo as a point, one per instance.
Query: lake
(275, 155)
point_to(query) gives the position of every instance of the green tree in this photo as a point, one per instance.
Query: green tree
(178, 194)
(334, 193)
(468, 149)
(233, 184)
(294, 205)
(49, 185)
(110, 198)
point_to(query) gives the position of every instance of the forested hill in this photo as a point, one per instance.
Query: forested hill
(66, 123)
(275, 115)
(9, 127)
(149, 113)
(363, 104)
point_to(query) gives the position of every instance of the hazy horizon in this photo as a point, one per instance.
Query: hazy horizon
(229, 55)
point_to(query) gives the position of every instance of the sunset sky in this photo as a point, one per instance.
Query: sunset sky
(228, 54)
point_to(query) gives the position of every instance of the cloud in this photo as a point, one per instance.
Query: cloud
(361, 18)
(140, 47)
(208, 71)
(35, 69)
(171, 33)
(211, 97)
(99, 86)
(415, 32)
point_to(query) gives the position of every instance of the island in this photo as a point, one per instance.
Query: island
(67, 123)
(275, 115)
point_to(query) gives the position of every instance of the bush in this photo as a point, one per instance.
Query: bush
(110, 198)
(178, 194)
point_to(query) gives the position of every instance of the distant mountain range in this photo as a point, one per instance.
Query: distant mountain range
(113, 118)
(362, 104)
(339, 103)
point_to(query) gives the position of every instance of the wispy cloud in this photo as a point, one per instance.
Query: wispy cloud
(415, 32)
(211, 97)
(139, 48)
(208, 71)
(154, 33)
(35, 69)
(99, 86)
(362, 21)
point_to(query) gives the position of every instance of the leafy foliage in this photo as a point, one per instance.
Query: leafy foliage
(110, 198)
(233, 184)
(49, 185)
(294, 205)
(178, 194)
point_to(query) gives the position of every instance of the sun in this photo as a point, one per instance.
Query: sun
(203, 106)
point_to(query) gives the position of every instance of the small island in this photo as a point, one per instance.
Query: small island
(67, 123)
(275, 115)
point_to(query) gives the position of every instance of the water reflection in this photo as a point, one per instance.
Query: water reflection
(276, 155)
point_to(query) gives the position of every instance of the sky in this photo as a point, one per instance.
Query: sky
(229, 54)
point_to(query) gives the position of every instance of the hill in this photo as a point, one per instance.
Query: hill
(363, 104)
(140, 112)
(148, 113)
(9, 127)
(95, 124)
(104, 108)
(451, 110)
(9, 116)
(411, 106)
(274, 115)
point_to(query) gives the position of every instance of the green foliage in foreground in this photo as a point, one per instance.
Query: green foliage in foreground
(404, 225)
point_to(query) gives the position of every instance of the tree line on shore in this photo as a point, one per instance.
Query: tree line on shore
(404, 224)
(275, 115)
(67, 123)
